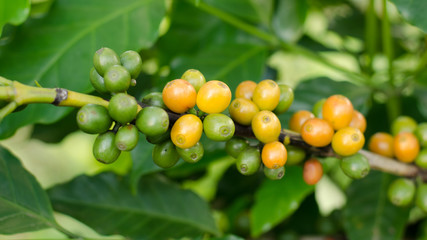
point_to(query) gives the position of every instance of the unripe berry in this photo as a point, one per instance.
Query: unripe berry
(92, 118)
(132, 61)
(123, 108)
(103, 59)
(117, 79)
(104, 148)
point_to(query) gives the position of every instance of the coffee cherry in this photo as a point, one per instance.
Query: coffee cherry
(213, 97)
(152, 121)
(406, 147)
(274, 174)
(421, 197)
(403, 124)
(266, 126)
(248, 161)
(97, 81)
(242, 111)
(117, 79)
(179, 96)
(127, 137)
(186, 131)
(266, 95)
(218, 127)
(195, 78)
(132, 61)
(381, 143)
(104, 148)
(295, 155)
(286, 99)
(317, 132)
(355, 166)
(421, 133)
(338, 111)
(154, 99)
(156, 139)
(421, 160)
(312, 171)
(358, 121)
(193, 154)
(298, 119)
(317, 108)
(92, 118)
(103, 59)
(274, 155)
(165, 155)
(401, 192)
(123, 108)
(245, 89)
(235, 146)
(347, 141)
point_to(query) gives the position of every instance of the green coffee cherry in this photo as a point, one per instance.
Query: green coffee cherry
(248, 161)
(421, 133)
(295, 155)
(317, 108)
(132, 61)
(235, 146)
(152, 121)
(218, 127)
(104, 149)
(421, 160)
(127, 138)
(97, 81)
(401, 192)
(158, 138)
(195, 78)
(193, 154)
(103, 59)
(286, 99)
(92, 118)
(117, 79)
(274, 174)
(123, 108)
(403, 124)
(154, 99)
(421, 197)
(355, 166)
(165, 154)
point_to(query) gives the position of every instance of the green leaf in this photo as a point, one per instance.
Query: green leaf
(289, 19)
(369, 214)
(57, 50)
(276, 200)
(249, 10)
(414, 12)
(24, 205)
(14, 12)
(160, 210)
(228, 237)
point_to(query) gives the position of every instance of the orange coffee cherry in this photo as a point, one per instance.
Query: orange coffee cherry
(338, 111)
(245, 89)
(213, 97)
(274, 155)
(348, 141)
(186, 131)
(298, 119)
(179, 95)
(317, 132)
(382, 143)
(358, 121)
(406, 147)
(312, 171)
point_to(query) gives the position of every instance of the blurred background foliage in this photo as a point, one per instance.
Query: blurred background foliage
(372, 51)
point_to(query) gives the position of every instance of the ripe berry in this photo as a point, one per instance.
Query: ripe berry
(132, 61)
(406, 147)
(193, 154)
(317, 108)
(317, 132)
(104, 148)
(274, 174)
(295, 155)
(92, 118)
(154, 99)
(421, 133)
(213, 97)
(195, 78)
(266, 126)
(248, 161)
(127, 137)
(312, 171)
(123, 108)
(117, 79)
(97, 81)
(152, 121)
(186, 131)
(103, 59)
(218, 127)
(242, 111)
(381, 143)
(421, 160)
(401, 192)
(179, 96)
(358, 121)
(266, 95)
(347, 141)
(355, 166)
(421, 197)
(338, 111)
(274, 155)
(245, 89)
(403, 124)
(165, 155)
(286, 99)
(235, 146)
(298, 119)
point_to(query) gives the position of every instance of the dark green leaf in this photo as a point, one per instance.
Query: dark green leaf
(57, 50)
(24, 205)
(276, 200)
(160, 210)
(250, 10)
(14, 12)
(289, 19)
(369, 214)
(414, 12)
(228, 237)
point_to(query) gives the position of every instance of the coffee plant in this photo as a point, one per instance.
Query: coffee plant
(213, 119)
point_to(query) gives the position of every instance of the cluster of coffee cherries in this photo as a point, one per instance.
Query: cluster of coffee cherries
(406, 143)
